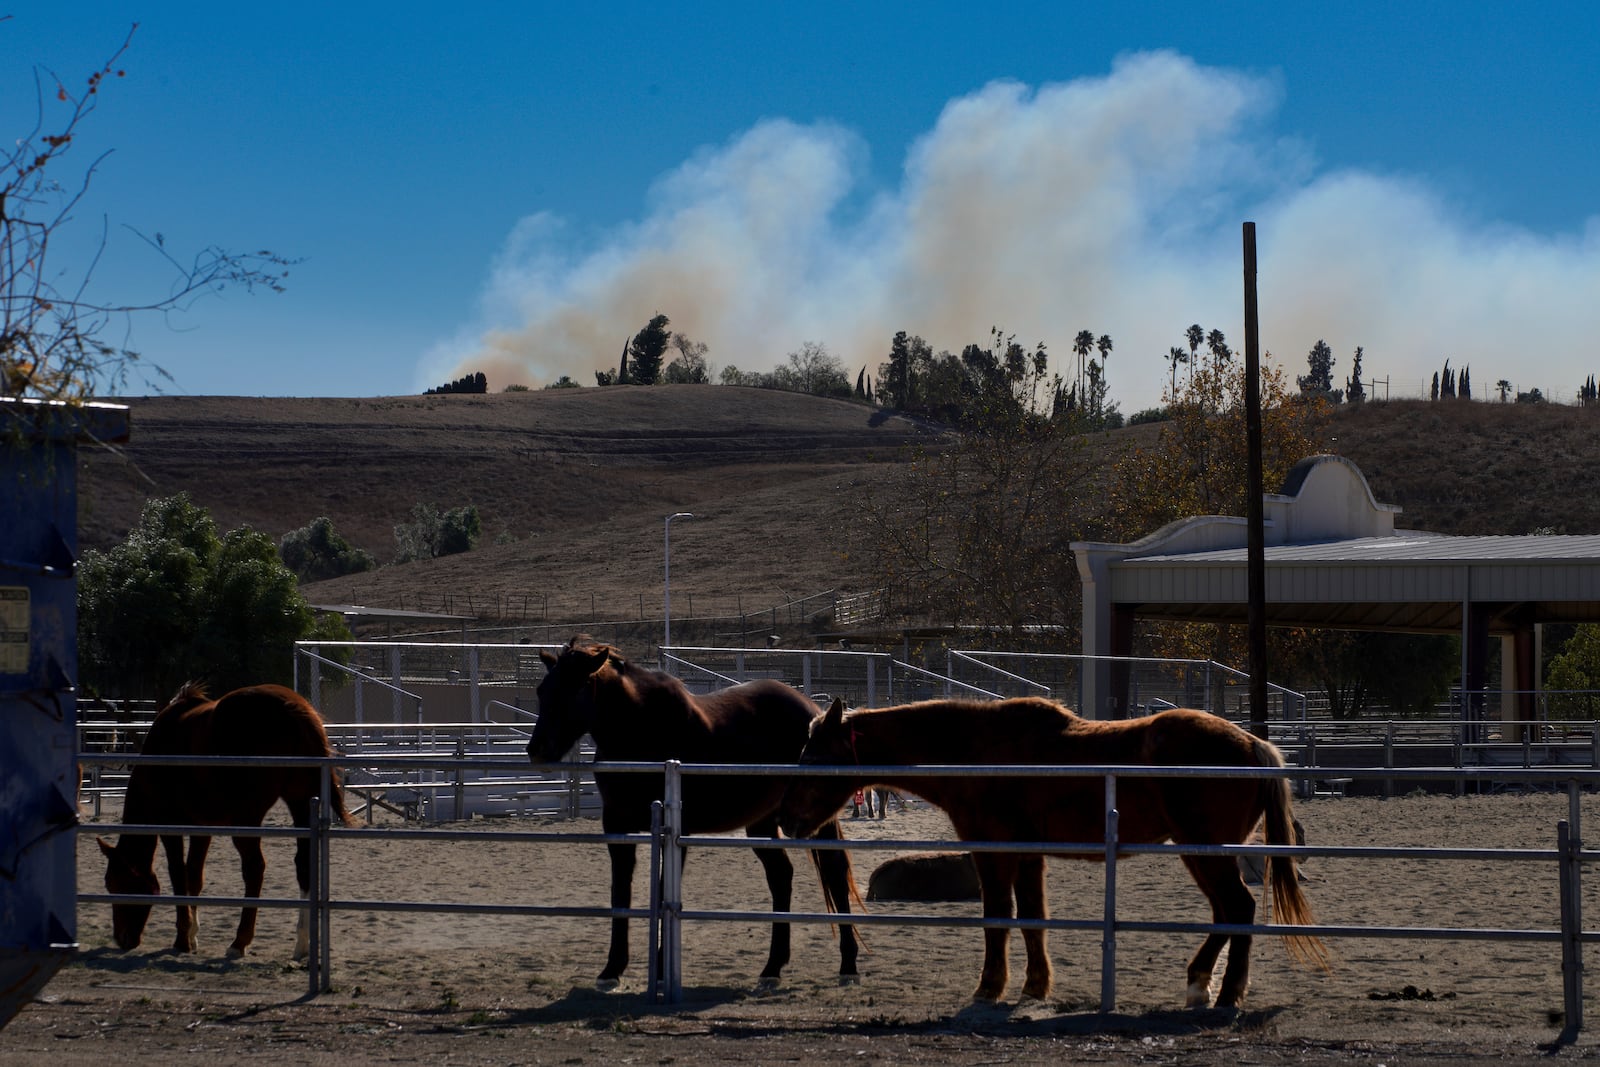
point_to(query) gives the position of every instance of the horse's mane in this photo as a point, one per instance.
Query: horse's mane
(643, 677)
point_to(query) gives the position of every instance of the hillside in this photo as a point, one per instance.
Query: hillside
(583, 478)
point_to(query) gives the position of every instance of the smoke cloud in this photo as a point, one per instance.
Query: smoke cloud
(1111, 204)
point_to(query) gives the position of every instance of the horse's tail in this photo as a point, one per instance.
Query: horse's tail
(1289, 903)
(316, 743)
(336, 782)
(853, 891)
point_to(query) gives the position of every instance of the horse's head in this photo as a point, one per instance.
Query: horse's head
(126, 874)
(567, 696)
(810, 802)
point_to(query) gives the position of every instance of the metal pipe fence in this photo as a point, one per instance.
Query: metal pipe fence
(666, 912)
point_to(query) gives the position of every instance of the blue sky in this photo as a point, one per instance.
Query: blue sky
(518, 187)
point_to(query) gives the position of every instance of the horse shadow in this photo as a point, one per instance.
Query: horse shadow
(1034, 1018)
(605, 1010)
(108, 960)
(601, 1008)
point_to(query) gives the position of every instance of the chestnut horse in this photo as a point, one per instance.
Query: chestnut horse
(644, 716)
(263, 720)
(1033, 731)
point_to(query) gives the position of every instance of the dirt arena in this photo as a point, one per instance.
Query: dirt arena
(498, 990)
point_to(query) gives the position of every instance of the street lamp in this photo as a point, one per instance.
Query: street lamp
(666, 574)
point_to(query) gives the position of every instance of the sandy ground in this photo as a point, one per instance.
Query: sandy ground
(479, 990)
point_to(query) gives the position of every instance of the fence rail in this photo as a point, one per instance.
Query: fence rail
(666, 913)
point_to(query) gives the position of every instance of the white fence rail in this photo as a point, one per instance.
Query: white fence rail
(666, 913)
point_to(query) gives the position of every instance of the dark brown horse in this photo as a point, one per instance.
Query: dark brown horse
(1032, 731)
(638, 715)
(263, 720)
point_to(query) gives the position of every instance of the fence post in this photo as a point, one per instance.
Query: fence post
(1571, 928)
(653, 943)
(1108, 933)
(672, 884)
(461, 787)
(316, 980)
(1388, 757)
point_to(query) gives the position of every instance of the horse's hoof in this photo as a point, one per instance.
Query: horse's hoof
(849, 980)
(235, 952)
(606, 985)
(766, 984)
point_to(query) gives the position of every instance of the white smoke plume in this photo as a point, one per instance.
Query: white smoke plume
(1110, 204)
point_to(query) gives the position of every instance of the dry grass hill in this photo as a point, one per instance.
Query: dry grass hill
(582, 480)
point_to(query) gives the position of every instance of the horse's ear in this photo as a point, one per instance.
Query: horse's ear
(549, 660)
(106, 846)
(835, 714)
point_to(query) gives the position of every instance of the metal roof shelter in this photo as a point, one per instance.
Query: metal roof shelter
(1334, 560)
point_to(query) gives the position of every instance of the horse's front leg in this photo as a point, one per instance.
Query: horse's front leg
(178, 875)
(780, 884)
(1032, 904)
(253, 865)
(997, 875)
(623, 858)
(301, 813)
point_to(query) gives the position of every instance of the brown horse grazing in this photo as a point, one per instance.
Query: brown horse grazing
(1024, 731)
(638, 715)
(263, 720)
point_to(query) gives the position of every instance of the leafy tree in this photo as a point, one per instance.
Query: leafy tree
(974, 531)
(175, 602)
(1532, 396)
(432, 533)
(1354, 391)
(467, 383)
(563, 382)
(51, 327)
(1318, 379)
(1576, 669)
(689, 367)
(894, 377)
(317, 551)
(518, 387)
(813, 369)
(646, 350)
(1464, 389)
(1408, 675)
(1197, 466)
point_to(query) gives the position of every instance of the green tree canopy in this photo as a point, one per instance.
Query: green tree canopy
(1576, 669)
(317, 551)
(431, 533)
(645, 351)
(175, 602)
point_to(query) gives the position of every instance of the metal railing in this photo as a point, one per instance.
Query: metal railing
(667, 913)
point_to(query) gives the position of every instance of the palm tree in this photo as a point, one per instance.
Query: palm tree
(1175, 356)
(1194, 335)
(1083, 344)
(1103, 343)
(1220, 352)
